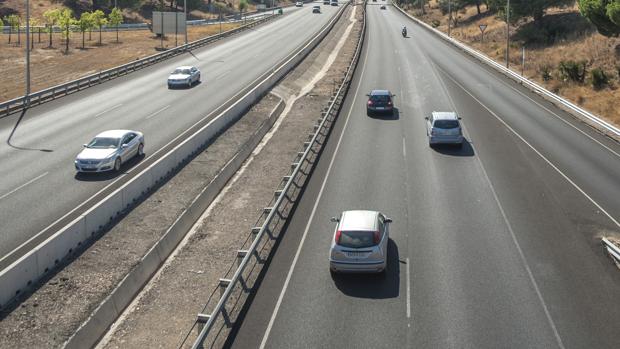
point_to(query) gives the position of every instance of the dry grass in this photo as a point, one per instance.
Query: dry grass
(597, 50)
(50, 66)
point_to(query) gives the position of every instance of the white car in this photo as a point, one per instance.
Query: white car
(444, 128)
(184, 76)
(360, 243)
(109, 150)
(299, 4)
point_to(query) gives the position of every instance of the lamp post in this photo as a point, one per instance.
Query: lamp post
(27, 52)
(185, 12)
(449, 16)
(508, 34)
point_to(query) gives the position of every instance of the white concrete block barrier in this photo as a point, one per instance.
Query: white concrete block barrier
(558, 101)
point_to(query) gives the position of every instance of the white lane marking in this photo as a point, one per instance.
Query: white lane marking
(557, 116)
(404, 148)
(408, 291)
(157, 112)
(316, 204)
(222, 75)
(107, 110)
(539, 153)
(23, 185)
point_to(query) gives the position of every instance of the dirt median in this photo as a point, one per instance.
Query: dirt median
(166, 310)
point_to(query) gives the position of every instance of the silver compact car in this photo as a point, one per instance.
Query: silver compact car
(444, 128)
(360, 243)
(184, 76)
(109, 150)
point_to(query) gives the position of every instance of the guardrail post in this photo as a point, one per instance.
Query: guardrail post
(240, 255)
(223, 283)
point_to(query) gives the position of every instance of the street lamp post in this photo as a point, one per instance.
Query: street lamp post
(27, 52)
(508, 34)
(449, 16)
(185, 12)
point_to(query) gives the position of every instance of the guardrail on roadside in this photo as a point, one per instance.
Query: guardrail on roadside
(54, 92)
(612, 249)
(533, 86)
(275, 209)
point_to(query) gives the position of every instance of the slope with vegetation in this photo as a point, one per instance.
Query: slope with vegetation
(571, 47)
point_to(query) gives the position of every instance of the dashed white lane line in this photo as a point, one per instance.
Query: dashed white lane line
(157, 112)
(107, 110)
(408, 292)
(24, 185)
(222, 75)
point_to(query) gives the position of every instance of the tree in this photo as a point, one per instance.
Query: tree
(65, 21)
(115, 18)
(526, 8)
(604, 14)
(51, 18)
(243, 4)
(13, 22)
(85, 23)
(99, 20)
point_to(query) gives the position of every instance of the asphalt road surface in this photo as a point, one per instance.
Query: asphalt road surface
(38, 184)
(494, 245)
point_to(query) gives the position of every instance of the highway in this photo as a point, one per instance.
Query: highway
(495, 245)
(38, 183)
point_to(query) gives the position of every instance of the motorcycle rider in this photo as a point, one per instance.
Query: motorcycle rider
(404, 31)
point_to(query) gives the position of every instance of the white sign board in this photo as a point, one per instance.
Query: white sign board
(173, 22)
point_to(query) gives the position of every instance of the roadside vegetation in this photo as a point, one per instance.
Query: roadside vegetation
(570, 47)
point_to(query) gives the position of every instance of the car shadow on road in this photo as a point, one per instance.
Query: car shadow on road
(395, 115)
(448, 149)
(104, 176)
(374, 286)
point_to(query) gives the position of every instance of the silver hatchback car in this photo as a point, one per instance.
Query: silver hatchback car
(444, 128)
(360, 243)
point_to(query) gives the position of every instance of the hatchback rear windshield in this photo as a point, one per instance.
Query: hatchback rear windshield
(356, 239)
(446, 124)
(380, 98)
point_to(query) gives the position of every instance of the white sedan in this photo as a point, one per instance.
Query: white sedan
(109, 150)
(184, 76)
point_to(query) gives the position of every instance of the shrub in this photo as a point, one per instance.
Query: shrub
(545, 71)
(618, 69)
(599, 78)
(435, 23)
(572, 70)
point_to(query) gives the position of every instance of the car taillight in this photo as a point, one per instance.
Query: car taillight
(389, 102)
(377, 237)
(337, 238)
(369, 102)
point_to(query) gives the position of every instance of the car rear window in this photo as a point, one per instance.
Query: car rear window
(356, 239)
(380, 98)
(446, 124)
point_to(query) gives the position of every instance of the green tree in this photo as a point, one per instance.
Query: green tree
(13, 22)
(99, 20)
(604, 14)
(85, 23)
(526, 8)
(51, 18)
(243, 4)
(115, 18)
(65, 21)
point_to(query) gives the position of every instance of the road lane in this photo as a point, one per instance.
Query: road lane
(47, 138)
(501, 246)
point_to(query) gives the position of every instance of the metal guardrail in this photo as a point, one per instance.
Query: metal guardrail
(536, 88)
(612, 249)
(54, 92)
(282, 197)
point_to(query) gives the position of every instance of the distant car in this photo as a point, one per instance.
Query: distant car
(109, 150)
(184, 76)
(374, 0)
(444, 128)
(326, 2)
(382, 7)
(299, 4)
(334, 3)
(316, 9)
(360, 242)
(379, 101)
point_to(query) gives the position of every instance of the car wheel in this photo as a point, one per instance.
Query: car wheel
(117, 164)
(141, 149)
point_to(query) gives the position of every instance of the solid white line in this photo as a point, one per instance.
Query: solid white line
(23, 185)
(404, 148)
(316, 204)
(408, 291)
(539, 153)
(107, 110)
(157, 112)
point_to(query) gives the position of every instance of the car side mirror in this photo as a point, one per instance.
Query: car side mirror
(85, 145)
(460, 118)
(125, 146)
(426, 118)
(368, 95)
(335, 219)
(393, 95)
(387, 220)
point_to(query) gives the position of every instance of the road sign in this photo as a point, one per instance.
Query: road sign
(483, 27)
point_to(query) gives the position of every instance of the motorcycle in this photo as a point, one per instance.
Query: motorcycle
(404, 32)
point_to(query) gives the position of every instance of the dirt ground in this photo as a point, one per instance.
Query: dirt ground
(51, 66)
(583, 44)
(164, 313)
(49, 316)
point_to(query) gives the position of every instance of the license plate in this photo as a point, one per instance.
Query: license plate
(380, 108)
(355, 254)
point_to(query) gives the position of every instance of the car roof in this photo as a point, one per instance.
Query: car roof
(445, 115)
(185, 67)
(114, 133)
(380, 93)
(358, 220)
